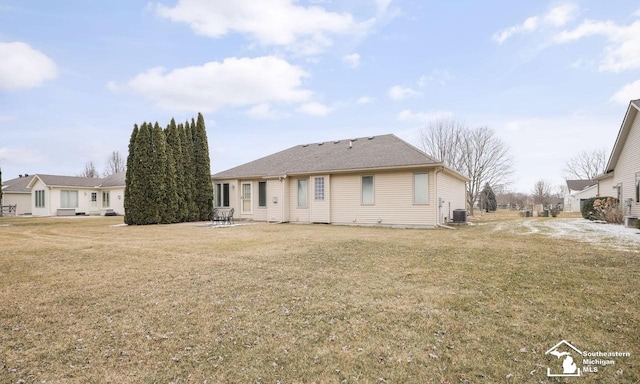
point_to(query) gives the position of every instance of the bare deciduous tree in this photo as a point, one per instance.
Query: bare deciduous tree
(474, 152)
(115, 163)
(89, 170)
(541, 192)
(586, 165)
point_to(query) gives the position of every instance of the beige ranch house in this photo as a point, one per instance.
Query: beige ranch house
(622, 175)
(378, 180)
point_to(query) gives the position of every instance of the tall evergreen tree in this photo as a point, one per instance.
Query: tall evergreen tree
(144, 193)
(174, 146)
(158, 193)
(190, 169)
(130, 205)
(204, 187)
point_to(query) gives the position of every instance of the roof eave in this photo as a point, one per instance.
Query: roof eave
(629, 116)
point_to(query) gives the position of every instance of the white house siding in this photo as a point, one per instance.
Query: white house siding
(22, 201)
(320, 210)
(393, 200)
(41, 211)
(452, 192)
(605, 187)
(572, 202)
(116, 200)
(628, 165)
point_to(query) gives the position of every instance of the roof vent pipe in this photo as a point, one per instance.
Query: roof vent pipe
(350, 144)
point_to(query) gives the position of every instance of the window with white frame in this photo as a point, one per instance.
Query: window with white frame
(421, 188)
(262, 194)
(367, 190)
(105, 199)
(302, 193)
(222, 195)
(40, 198)
(318, 188)
(68, 199)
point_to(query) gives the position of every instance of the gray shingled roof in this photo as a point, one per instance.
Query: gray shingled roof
(70, 181)
(17, 185)
(115, 180)
(386, 151)
(579, 185)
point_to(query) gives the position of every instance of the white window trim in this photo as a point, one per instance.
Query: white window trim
(298, 194)
(373, 190)
(315, 188)
(414, 188)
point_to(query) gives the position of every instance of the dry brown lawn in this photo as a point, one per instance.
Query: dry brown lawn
(83, 301)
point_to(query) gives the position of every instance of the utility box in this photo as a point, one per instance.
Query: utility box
(459, 216)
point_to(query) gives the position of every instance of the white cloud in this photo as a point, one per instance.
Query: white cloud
(623, 49)
(20, 155)
(23, 67)
(398, 92)
(234, 82)
(314, 109)
(438, 76)
(422, 117)
(556, 17)
(627, 93)
(382, 5)
(365, 100)
(352, 60)
(263, 111)
(306, 30)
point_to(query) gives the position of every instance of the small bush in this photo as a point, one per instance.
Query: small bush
(586, 208)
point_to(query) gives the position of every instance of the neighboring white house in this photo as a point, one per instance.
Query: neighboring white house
(577, 191)
(53, 195)
(622, 175)
(364, 181)
(15, 192)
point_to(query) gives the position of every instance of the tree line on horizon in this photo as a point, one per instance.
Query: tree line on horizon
(168, 174)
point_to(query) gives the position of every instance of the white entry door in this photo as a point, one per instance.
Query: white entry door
(247, 207)
(94, 201)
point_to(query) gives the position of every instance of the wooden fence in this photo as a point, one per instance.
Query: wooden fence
(8, 210)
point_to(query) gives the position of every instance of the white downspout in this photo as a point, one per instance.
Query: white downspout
(437, 223)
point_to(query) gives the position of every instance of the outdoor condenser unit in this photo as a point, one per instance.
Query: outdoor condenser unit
(459, 216)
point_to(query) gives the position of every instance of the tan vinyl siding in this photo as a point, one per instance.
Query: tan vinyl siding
(297, 214)
(605, 187)
(452, 191)
(628, 165)
(393, 200)
(274, 209)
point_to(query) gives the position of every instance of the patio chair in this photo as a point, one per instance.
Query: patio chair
(218, 216)
(229, 217)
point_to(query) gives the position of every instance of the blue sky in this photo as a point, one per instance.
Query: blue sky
(551, 78)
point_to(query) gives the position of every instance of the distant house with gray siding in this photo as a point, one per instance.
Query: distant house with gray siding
(378, 180)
